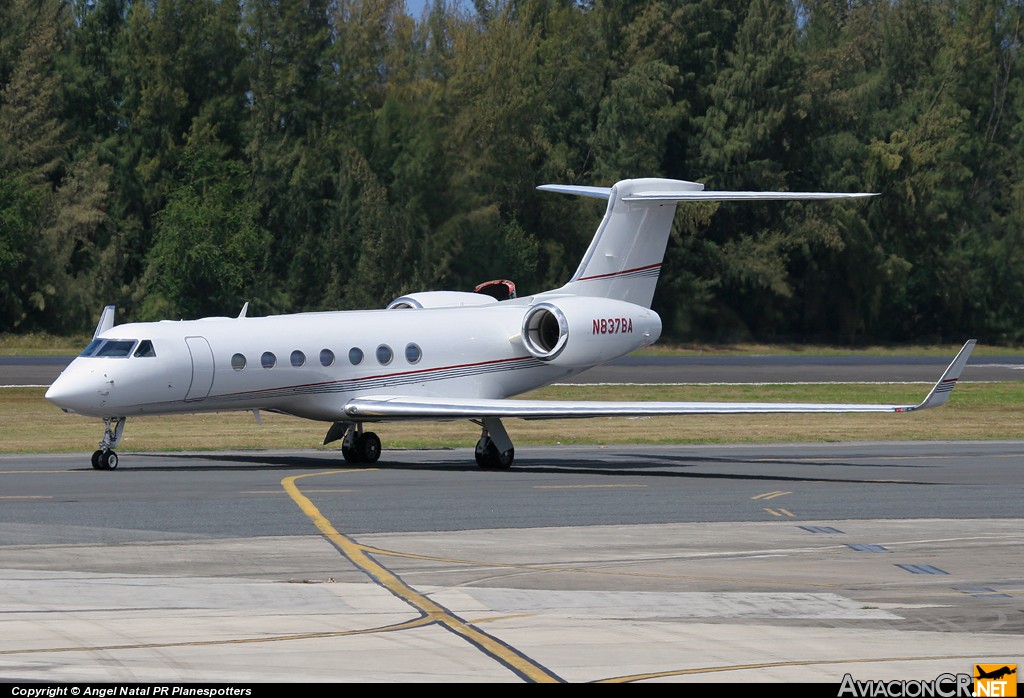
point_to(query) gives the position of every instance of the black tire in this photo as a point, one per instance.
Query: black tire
(108, 460)
(350, 453)
(502, 461)
(96, 460)
(481, 452)
(368, 447)
(488, 457)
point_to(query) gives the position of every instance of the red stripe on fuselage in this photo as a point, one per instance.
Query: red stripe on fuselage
(375, 377)
(618, 273)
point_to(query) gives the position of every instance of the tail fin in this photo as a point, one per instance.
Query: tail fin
(624, 258)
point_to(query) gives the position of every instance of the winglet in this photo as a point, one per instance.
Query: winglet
(106, 321)
(942, 390)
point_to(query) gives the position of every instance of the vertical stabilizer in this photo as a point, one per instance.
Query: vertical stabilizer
(624, 259)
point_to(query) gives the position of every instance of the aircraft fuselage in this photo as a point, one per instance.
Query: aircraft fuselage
(311, 364)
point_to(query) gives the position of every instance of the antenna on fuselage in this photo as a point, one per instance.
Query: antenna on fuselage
(245, 309)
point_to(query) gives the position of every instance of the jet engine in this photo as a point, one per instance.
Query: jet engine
(580, 331)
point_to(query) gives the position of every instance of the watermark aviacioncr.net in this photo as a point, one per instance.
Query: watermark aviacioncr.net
(987, 681)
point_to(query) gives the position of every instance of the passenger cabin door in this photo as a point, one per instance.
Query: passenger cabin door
(202, 368)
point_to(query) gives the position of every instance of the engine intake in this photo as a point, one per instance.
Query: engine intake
(580, 331)
(545, 331)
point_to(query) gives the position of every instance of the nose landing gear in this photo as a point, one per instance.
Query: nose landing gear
(105, 458)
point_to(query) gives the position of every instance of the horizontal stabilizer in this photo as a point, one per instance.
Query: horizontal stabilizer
(694, 191)
(743, 196)
(594, 192)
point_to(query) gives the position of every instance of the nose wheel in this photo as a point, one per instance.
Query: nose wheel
(105, 458)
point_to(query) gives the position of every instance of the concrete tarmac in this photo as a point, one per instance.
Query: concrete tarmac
(755, 563)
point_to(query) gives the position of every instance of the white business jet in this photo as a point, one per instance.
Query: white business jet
(438, 355)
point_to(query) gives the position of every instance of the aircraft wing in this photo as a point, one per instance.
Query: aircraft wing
(396, 407)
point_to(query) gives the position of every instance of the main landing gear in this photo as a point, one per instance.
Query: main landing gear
(361, 448)
(105, 458)
(357, 446)
(494, 450)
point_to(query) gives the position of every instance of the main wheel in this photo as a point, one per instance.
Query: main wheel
(108, 460)
(368, 447)
(481, 452)
(488, 457)
(350, 453)
(503, 460)
(96, 460)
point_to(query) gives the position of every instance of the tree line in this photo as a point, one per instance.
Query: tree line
(180, 157)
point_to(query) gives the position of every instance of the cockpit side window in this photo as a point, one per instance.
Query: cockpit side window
(116, 348)
(145, 349)
(93, 346)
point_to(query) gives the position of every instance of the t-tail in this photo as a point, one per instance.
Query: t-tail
(624, 259)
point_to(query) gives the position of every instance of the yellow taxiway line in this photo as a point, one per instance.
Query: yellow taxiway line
(359, 556)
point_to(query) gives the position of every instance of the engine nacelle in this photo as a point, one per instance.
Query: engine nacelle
(581, 331)
(440, 299)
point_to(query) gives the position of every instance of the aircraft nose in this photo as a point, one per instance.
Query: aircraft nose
(75, 391)
(66, 394)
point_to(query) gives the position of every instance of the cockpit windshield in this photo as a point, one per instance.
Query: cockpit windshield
(93, 346)
(118, 348)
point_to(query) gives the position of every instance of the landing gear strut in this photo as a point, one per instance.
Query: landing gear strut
(357, 446)
(105, 458)
(494, 450)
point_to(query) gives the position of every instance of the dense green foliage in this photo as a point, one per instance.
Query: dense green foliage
(179, 157)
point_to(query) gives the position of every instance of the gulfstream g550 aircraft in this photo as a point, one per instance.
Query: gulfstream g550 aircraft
(436, 355)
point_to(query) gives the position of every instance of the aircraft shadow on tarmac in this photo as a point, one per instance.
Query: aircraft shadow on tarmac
(639, 466)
